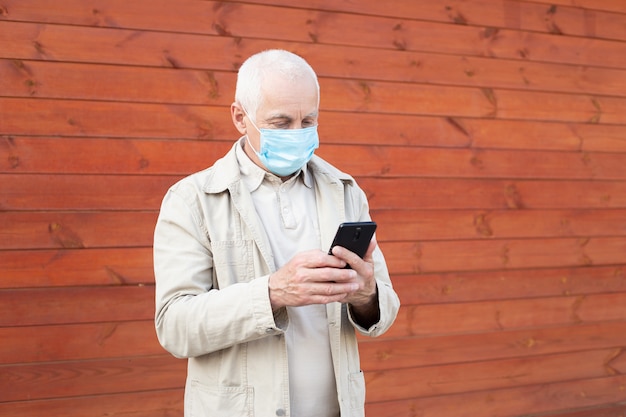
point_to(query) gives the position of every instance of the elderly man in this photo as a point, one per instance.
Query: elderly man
(245, 287)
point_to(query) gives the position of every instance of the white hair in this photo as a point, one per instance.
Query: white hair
(256, 68)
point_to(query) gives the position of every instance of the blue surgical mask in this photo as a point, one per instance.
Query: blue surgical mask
(285, 151)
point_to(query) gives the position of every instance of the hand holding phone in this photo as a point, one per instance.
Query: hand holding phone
(354, 236)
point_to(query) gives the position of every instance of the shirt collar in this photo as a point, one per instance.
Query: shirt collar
(253, 175)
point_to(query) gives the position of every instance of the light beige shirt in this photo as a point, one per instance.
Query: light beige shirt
(288, 213)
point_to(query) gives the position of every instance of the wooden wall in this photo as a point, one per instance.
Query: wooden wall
(490, 136)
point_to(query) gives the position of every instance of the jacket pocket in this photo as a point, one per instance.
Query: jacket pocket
(202, 401)
(357, 393)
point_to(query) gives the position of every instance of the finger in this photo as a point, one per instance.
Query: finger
(334, 261)
(320, 259)
(332, 289)
(332, 275)
(370, 250)
(348, 256)
(325, 299)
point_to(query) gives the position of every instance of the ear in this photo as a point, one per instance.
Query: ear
(237, 114)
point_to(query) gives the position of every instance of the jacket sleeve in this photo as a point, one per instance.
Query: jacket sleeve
(192, 317)
(388, 301)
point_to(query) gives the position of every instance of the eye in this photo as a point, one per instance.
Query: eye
(279, 123)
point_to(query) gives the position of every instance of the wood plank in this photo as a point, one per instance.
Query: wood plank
(496, 285)
(28, 307)
(542, 17)
(71, 267)
(46, 230)
(385, 353)
(83, 192)
(400, 225)
(78, 342)
(606, 5)
(492, 194)
(141, 192)
(383, 97)
(449, 256)
(215, 85)
(65, 379)
(116, 13)
(401, 384)
(61, 80)
(121, 46)
(502, 73)
(167, 402)
(533, 46)
(536, 106)
(366, 96)
(424, 320)
(519, 15)
(93, 155)
(368, 128)
(76, 118)
(548, 136)
(153, 403)
(127, 229)
(399, 161)
(602, 411)
(546, 400)
(117, 46)
(52, 268)
(126, 156)
(446, 132)
(335, 127)
(391, 129)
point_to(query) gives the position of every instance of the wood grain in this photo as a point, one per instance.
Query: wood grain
(403, 353)
(305, 26)
(488, 135)
(107, 229)
(87, 378)
(28, 307)
(71, 267)
(424, 320)
(153, 403)
(459, 287)
(79, 342)
(550, 399)
(486, 376)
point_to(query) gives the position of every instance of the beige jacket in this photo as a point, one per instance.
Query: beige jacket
(212, 261)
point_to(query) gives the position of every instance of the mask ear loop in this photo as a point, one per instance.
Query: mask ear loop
(251, 147)
(250, 118)
(253, 124)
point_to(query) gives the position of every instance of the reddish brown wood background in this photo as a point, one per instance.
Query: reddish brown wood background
(490, 136)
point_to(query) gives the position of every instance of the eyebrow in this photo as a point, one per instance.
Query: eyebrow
(289, 118)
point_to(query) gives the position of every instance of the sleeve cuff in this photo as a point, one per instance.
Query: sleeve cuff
(268, 322)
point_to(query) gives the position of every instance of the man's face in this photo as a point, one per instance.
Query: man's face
(285, 105)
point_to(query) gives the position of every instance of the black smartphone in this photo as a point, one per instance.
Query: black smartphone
(354, 236)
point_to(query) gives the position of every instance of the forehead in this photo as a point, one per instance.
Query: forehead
(288, 96)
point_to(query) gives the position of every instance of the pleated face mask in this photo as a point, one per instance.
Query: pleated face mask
(285, 151)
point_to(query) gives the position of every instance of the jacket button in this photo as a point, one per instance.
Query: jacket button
(280, 412)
